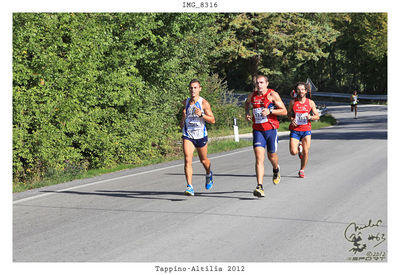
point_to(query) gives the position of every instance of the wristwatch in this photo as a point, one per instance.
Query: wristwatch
(270, 109)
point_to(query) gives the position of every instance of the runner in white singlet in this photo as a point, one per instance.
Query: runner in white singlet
(354, 102)
(194, 126)
(196, 112)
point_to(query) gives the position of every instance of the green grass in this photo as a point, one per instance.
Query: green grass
(228, 131)
(227, 145)
(214, 146)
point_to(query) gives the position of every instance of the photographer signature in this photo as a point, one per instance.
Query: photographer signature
(356, 234)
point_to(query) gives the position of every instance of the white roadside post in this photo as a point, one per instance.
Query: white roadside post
(235, 130)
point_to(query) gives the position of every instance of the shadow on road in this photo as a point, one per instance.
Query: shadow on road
(229, 175)
(350, 135)
(157, 195)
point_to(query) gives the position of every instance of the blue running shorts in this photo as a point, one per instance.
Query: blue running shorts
(198, 143)
(267, 138)
(299, 134)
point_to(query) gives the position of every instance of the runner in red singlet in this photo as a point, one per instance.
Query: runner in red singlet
(300, 126)
(266, 105)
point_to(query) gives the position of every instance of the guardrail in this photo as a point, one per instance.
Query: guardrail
(242, 97)
(322, 110)
(343, 95)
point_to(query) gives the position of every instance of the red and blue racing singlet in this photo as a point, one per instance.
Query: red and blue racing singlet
(259, 102)
(301, 110)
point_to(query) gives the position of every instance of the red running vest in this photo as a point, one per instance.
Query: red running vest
(301, 110)
(261, 123)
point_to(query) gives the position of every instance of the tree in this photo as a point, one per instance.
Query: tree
(358, 59)
(276, 44)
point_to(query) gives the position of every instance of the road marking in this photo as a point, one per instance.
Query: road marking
(123, 177)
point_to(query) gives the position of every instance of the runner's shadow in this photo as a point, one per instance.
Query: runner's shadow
(214, 174)
(227, 175)
(270, 176)
(153, 195)
(124, 194)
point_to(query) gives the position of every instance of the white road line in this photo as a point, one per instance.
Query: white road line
(122, 177)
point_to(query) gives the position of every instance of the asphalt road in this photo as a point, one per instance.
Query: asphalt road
(141, 215)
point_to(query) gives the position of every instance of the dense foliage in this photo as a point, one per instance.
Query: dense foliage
(98, 89)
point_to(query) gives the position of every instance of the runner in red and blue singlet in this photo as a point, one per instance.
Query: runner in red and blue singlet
(300, 126)
(266, 105)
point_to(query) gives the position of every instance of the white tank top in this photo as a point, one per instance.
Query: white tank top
(195, 126)
(354, 99)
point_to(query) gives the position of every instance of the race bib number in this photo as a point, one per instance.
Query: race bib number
(258, 117)
(194, 125)
(301, 118)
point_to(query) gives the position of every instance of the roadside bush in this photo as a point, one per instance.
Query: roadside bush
(97, 90)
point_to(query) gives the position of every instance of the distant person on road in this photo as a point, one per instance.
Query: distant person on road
(354, 102)
(196, 112)
(293, 94)
(266, 105)
(300, 125)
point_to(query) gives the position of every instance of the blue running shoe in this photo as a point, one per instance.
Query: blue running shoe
(209, 181)
(189, 191)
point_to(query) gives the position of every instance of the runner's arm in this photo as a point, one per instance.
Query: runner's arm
(314, 110)
(291, 114)
(208, 114)
(182, 123)
(280, 108)
(247, 107)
